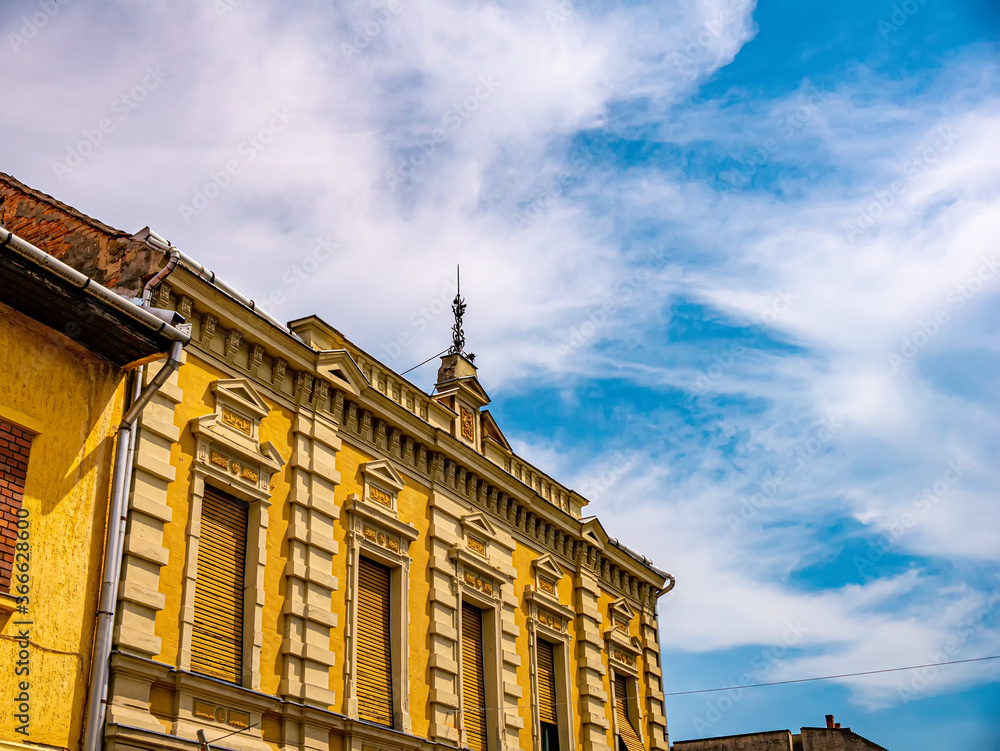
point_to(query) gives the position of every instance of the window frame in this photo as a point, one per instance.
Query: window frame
(377, 534)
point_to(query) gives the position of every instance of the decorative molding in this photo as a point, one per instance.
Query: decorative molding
(382, 484)
(376, 534)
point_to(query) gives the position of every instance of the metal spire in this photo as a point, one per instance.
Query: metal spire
(458, 308)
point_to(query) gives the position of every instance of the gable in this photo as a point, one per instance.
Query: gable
(338, 367)
(547, 565)
(384, 473)
(478, 522)
(492, 431)
(240, 393)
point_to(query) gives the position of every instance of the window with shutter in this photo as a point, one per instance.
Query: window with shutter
(547, 714)
(627, 735)
(374, 660)
(217, 637)
(473, 678)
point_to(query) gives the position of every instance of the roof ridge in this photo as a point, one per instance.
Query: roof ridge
(59, 205)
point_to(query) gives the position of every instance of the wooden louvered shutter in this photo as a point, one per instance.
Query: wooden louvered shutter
(625, 727)
(473, 678)
(374, 670)
(546, 683)
(217, 638)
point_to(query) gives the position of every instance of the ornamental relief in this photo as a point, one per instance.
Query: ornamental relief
(380, 496)
(380, 538)
(476, 545)
(234, 420)
(468, 424)
(477, 581)
(232, 468)
(623, 657)
(550, 620)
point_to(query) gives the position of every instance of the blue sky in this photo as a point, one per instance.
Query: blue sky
(731, 271)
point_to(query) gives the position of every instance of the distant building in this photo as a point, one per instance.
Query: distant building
(830, 738)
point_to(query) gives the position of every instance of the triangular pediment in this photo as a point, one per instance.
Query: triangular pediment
(492, 431)
(338, 367)
(382, 472)
(478, 522)
(593, 532)
(240, 393)
(622, 609)
(547, 566)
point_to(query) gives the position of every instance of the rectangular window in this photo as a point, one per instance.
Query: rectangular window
(547, 703)
(473, 678)
(15, 443)
(217, 637)
(374, 669)
(628, 738)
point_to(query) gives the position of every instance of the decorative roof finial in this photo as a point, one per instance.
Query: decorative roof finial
(457, 334)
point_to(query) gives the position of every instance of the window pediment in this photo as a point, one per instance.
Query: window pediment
(382, 484)
(227, 446)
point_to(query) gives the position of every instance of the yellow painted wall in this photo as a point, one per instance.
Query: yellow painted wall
(74, 398)
(195, 379)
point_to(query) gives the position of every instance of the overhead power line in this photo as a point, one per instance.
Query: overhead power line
(832, 677)
(773, 683)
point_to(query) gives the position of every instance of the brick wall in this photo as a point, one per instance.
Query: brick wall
(15, 443)
(103, 253)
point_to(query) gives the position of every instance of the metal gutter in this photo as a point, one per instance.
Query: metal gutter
(153, 240)
(84, 283)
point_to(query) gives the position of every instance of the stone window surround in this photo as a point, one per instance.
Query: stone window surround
(562, 641)
(491, 606)
(253, 575)
(216, 440)
(619, 645)
(361, 514)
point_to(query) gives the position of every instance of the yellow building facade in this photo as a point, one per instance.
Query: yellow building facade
(320, 555)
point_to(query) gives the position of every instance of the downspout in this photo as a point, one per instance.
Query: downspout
(124, 458)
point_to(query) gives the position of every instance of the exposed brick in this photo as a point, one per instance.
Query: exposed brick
(13, 467)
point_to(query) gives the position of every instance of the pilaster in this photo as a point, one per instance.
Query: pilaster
(139, 597)
(305, 649)
(591, 668)
(655, 714)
